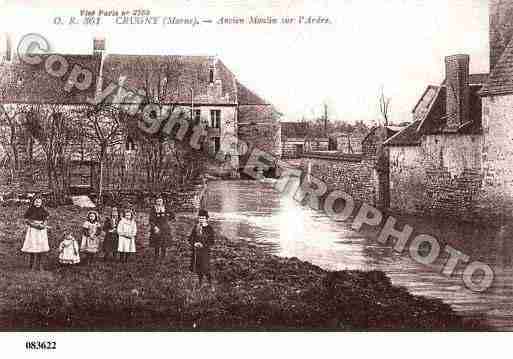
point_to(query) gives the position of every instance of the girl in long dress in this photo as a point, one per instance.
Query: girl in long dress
(36, 237)
(201, 240)
(160, 231)
(110, 241)
(127, 230)
(91, 236)
(69, 250)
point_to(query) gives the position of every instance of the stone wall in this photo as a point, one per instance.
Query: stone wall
(500, 28)
(406, 178)
(441, 177)
(352, 174)
(497, 152)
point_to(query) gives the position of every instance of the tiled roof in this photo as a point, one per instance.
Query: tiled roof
(21, 82)
(24, 83)
(379, 132)
(409, 136)
(248, 97)
(432, 119)
(179, 74)
(435, 119)
(500, 81)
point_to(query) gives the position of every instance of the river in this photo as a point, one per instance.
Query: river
(256, 212)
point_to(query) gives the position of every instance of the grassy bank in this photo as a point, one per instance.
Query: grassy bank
(252, 290)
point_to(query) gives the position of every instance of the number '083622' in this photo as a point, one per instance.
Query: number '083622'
(37, 345)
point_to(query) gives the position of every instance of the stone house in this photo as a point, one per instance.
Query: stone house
(201, 86)
(497, 117)
(435, 162)
(455, 159)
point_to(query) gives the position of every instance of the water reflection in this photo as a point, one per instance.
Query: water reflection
(254, 211)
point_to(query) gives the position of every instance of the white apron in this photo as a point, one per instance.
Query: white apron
(36, 240)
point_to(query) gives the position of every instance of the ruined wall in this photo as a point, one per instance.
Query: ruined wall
(441, 177)
(498, 152)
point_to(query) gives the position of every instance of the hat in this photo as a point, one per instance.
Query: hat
(203, 213)
(97, 216)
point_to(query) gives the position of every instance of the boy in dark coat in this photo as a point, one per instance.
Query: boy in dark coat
(110, 227)
(160, 230)
(201, 239)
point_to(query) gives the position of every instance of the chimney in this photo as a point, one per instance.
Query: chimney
(501, 28)
(8, 48)
(98, 46)
(212, 64)
(7, 54)
(458, 91)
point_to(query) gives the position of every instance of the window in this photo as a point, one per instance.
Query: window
(217, 144)
(215, 118)
(211, 76)
(197, 116)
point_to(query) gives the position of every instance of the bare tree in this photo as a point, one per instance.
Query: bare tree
(10, 128)
(102, 125)
(384, 106)
(162, 154)
(52, 127)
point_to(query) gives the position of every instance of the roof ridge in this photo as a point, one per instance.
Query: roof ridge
(259, 99)
(387, 142)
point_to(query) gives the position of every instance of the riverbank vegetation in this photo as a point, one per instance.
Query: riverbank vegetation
(252, 290)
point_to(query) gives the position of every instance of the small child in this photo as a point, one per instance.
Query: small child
(202, 238)
(69, 251)
(127, 229)
(160, 230)
(91, 236)
(110, 241)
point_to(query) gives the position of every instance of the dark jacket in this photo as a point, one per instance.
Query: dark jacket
(160, 220)
(36, 214)
(200, 258)
(110, 242)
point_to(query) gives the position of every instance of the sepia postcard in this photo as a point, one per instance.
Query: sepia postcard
(255, 166)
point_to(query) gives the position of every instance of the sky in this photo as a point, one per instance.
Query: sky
(397, 45)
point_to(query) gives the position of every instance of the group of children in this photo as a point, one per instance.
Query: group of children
(120, 232)
(119, 237)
